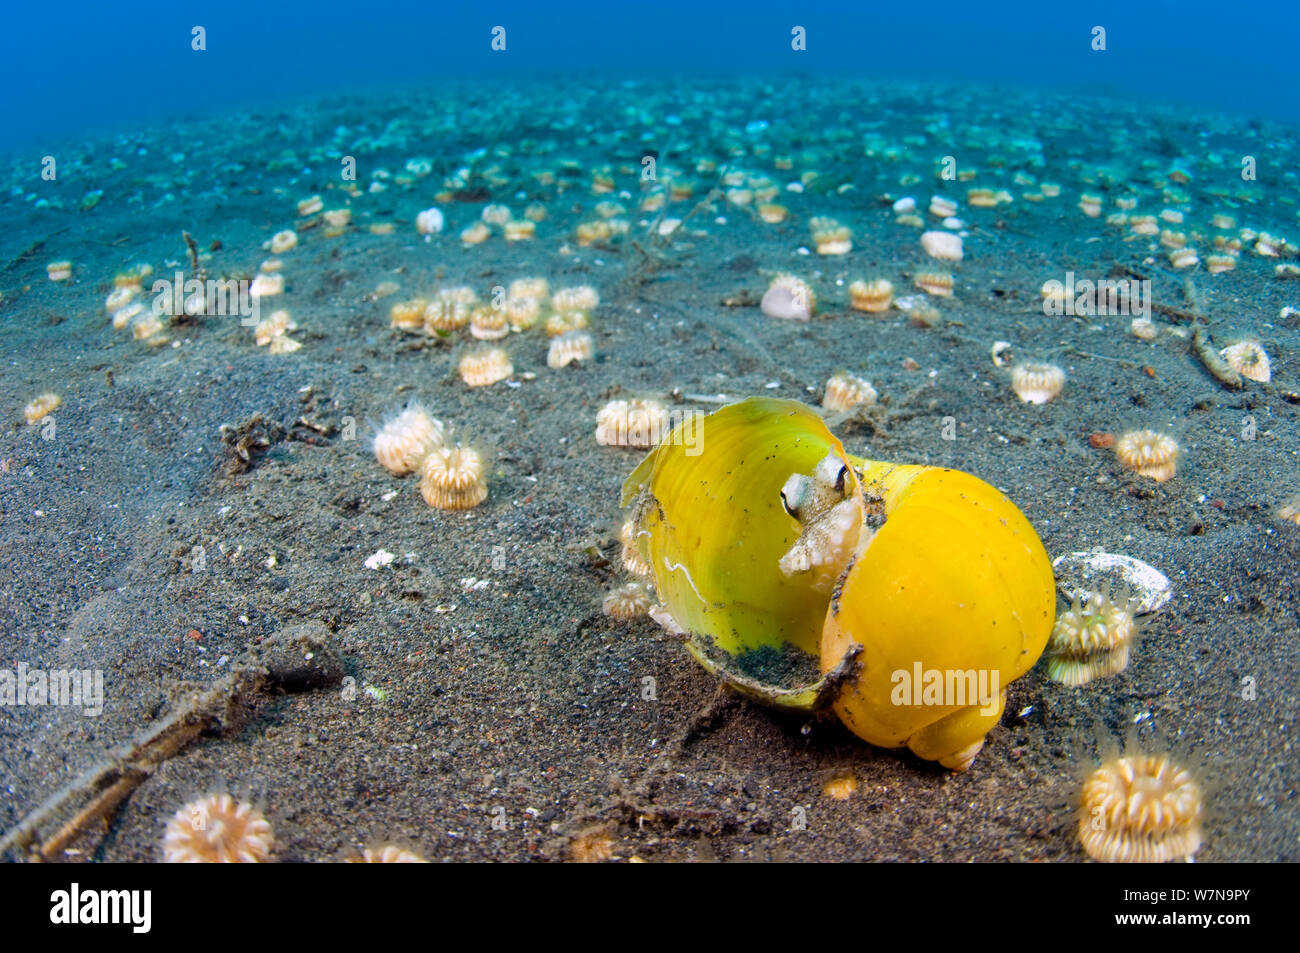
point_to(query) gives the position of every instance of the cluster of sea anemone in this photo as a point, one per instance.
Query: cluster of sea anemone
(129, 312)
(565, 316)
(640, 423)
(632, 599)
(452, 477)
(1133, 807)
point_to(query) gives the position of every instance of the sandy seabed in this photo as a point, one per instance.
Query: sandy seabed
(490, 710)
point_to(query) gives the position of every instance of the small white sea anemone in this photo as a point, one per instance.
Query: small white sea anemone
(633, 560)
(1037, 383)
(430, 221)
(562, 322)
(945, 246)
(475, 234)
(830, 237)
(844, 392)
(284, 241)
(404, 441)
(217, 830)
(942, 207)
(1094, 638)
(1143, 328)
(454, 478)
(119, 298)
(488, 324)
(264, 285)
(873, 297)
(569, 348)
(518, 231)
(483, 367)
(496, 214)
(631, 423)
(522, 313)
(1248, 359)
(1140, 808)
(41, 407)
(629, 601)
(274, 325)
(577, 298)
(537, 288)
(1148, 453)
(387, 854)
(934, 283)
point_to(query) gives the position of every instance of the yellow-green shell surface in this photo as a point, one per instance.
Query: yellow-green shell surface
(712, 527)
(955, 582)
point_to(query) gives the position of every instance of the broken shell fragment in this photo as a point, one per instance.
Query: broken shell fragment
(1078, 574)
(790, 299)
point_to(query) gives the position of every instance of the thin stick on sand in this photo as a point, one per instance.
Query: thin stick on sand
(1203, 346)
(105, 786)
(195, 268)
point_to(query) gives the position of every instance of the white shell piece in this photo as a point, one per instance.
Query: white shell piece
(660, 614)
(1080, 573)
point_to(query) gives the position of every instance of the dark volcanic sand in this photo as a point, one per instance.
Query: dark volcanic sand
(521, 695)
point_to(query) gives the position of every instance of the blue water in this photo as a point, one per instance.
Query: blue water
(85, 66)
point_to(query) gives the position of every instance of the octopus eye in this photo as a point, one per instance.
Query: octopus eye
(807, 498)
(795, 495)
(830, 473)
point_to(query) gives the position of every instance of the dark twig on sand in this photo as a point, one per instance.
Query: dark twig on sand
(196, 270)
(1203, 347)
(1201, 344)
(105, 786)
(653, 253)
(32, 250)
(299, 658)
(1120, 270)
(1177, 314)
